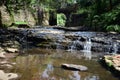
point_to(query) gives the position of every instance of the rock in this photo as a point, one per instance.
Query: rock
(45, 20)
(113, 61)
(5, 16)
(74, 67)
(11, 50)
(7, 66)
(20, 15)
(1, 49)
(4, 62)
(2, 55)
(11, 75)
(7, 76)
(44, 37)
(13, 63)
(2, 75)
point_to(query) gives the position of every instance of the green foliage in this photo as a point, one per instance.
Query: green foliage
(61, 19)
(113, 28)
(110, 64)
(109, 17)
(20, 22)
(103, 15)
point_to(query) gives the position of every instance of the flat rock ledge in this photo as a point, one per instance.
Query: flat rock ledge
(113, 61)
(11, 50)
(74, 67)
(7, 76)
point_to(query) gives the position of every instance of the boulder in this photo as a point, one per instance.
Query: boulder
(5, 16)
(2, 55)
(11, 50)
(7, 76)
(7, 66)
(74, 67)
(1, 49)
(3, 62)
(113, 61)
(2, 75)
(11, 75)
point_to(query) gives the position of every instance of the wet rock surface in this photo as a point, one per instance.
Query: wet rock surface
(53, 37)
(13, 39)
(62, 38)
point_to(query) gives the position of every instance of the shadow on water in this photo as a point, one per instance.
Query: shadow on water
(46, 65)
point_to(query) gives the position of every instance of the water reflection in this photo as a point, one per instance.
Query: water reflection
(88, 55)
(75, 76)
(46, 73)
(87, 45)
(36, 68)
(92, 78)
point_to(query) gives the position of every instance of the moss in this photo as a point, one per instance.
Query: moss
(110, 58)
(110, 64)
(20, 22)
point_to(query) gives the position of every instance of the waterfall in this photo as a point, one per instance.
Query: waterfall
(115, 49)
(87, 45)
(87, 49)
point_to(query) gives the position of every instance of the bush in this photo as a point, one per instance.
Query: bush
(61, 19)
(113, 28)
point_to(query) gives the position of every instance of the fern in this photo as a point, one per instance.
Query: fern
(113, 28)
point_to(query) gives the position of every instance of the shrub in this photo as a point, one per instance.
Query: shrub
(61, 19)
(113, 28)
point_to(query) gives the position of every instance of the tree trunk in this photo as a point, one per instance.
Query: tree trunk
(40, 15)
(0, 20)
(110, 2)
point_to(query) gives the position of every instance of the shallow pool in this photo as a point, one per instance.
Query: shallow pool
(45, 64)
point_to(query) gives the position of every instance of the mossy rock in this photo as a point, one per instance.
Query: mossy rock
(108, 60)
(20, 24)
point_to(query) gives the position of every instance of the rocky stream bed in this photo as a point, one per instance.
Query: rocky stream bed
(14, 41)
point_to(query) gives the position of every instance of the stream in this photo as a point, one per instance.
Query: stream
(43, 50)
(45, 64)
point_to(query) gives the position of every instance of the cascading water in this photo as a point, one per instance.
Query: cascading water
(115, 49)
(87, 45)
(87, 49)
